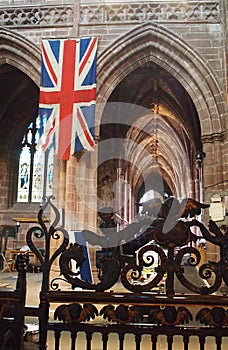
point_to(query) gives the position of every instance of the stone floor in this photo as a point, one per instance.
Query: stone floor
(32, 299)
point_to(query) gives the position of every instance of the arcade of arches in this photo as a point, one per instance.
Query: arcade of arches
(153, 133)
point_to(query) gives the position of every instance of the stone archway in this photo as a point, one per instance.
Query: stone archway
(21, 53)
(19, 77)
(151, 42)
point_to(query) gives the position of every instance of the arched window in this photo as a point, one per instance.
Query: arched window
(35, 167)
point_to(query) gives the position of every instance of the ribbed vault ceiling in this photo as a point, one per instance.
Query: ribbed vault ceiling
(167, 132)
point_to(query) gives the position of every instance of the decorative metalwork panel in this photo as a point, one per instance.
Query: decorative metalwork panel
(194, 11)
(149, 302)
(168, 315)
(166, 252)
(39, 15)
(75, 312)
(12, 305)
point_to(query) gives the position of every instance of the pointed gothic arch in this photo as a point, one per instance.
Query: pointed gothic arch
(20, 75)
(150, 42)
(21, 53)
(20, 69)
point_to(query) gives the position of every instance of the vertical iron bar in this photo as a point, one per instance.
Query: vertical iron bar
(57, 338)
(19, 318)
(138, 339)
(89, 340)
(73, 340)
(170, 341)
(154, 339)
(170, 272)
(186, 342)
(43, 320)
(219, 343)
(105, 341)
(121, 339)
(202, 342)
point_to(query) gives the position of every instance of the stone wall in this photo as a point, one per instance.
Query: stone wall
(40, 19)
(199, 24)
(196, 22)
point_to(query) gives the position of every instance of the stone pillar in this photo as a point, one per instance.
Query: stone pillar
(70, 194)
(59, 186)
(4, 179)
(90, 205)
(81, 195)
(215, 162)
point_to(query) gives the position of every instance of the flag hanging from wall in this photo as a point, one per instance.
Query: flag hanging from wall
(68, 95)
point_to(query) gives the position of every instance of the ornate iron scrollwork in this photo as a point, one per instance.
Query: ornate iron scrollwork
(121, 314)
(213, 317)
(215, 236)
(170, 316)
(110, 267)
(54, 232)
(132, 273)
(169, 232)
(75, 312)
(167, 242)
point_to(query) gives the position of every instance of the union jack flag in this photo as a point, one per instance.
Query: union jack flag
(68, 94)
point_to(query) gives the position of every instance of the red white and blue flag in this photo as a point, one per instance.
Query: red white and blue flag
(68, 95)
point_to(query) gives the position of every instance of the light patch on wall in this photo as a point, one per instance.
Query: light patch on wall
(217, 208)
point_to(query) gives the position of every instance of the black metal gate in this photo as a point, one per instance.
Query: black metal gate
(165, 287)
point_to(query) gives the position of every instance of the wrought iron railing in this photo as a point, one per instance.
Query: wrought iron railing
(12, 304)
(159, 284)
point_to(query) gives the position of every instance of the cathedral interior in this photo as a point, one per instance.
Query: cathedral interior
(160, 131)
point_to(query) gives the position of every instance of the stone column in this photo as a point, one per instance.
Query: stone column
(70, 194)
(81, 195)
(59, 187)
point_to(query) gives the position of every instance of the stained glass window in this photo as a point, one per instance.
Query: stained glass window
(24, 175)
(35, 167)
(38, 176)
(49, 182)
